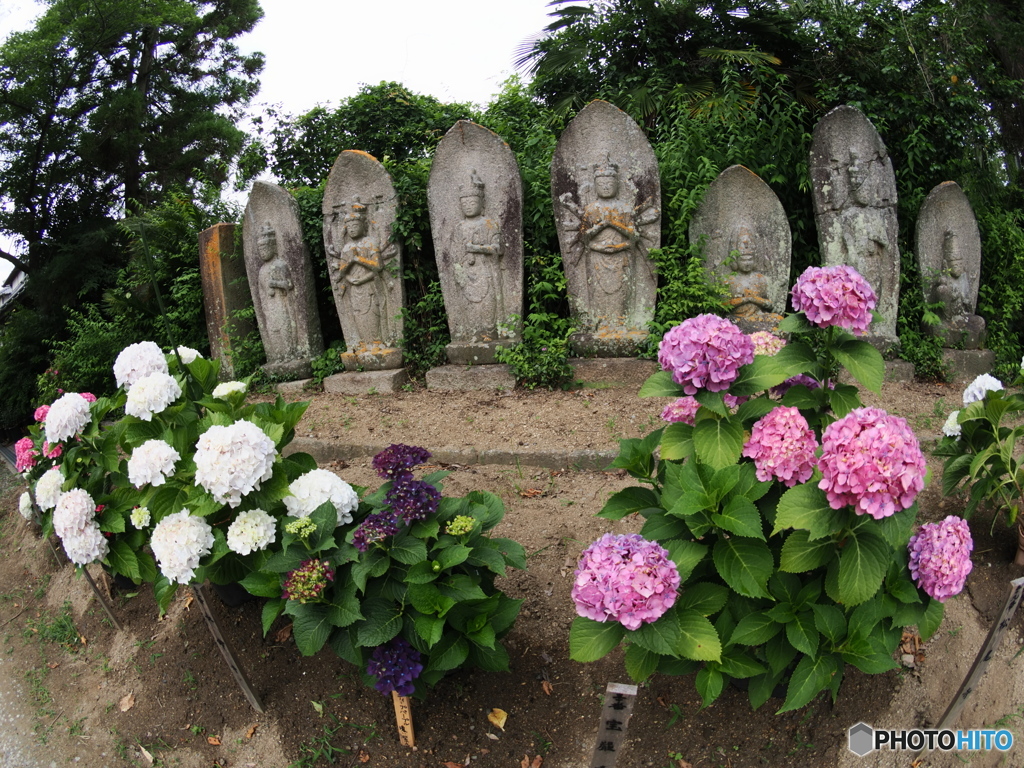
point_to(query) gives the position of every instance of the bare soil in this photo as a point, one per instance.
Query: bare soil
(158, 693)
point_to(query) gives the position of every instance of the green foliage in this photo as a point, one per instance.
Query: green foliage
(24, 354)
(83, 361)
(777, 585)
(425, 331)
(1001, 296)
(329, 363)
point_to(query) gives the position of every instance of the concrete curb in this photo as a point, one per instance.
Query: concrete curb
(554, 458)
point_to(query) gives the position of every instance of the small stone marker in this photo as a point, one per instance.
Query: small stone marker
(988, 649)
(225, 290)
(403, 718)
(618, 707)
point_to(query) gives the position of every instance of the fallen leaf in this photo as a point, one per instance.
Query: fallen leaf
(252, 730)
(127, 702)
(146, 754)
(188, 602)
(531, 493)
(213, 741)
(498, 718)
(547, 687)
(318, 707)
(283, 634)
(528, 763)
(53, 665)
(450, 764)
(364, 757)
(492, 736)
(683, 763)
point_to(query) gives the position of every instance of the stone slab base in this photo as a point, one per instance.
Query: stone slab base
(461, 378)
(474, 353)
(613, 371)
(290, 369)
(292, 388)
(607, 343)
(968, 364)
(899, 370)
(366, 382)
(375, 357)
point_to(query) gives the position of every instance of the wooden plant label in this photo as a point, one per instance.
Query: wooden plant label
(403, 718)
(981, 661)
(618, 706)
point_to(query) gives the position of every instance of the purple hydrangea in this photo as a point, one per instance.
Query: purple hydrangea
(375, 527)
(782, 446)
(801, 378)
(940, 557)
(412, 500)
(873, 461)
(835, 296)
(705, 352)
(396, 460)
(307, 582)
(395, 665)
(627, 578)
(682, 410)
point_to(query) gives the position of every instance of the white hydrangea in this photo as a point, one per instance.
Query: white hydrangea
(228, 387)
(25, 506)
(187, 354)
(976, 389)
(140, 517)
(152, 462)
(179, 542)
(251, 531)
(86, 546)
(74, 511)
(151, 394)
(234, 460)
(67, 417)
(49, 487)
(952, 427)
(317, 486)
(137, 361)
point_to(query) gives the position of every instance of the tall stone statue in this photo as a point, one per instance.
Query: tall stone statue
(607, 197)
(949, 258)
(475, 200)
(280, 275)
(747, 245)
(364, 264)
(854, 193)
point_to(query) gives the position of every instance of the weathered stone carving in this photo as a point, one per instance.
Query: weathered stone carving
(365, 266)
(854, 192)
(747, 244)
(607, 198)
(475, 199)
(225, 292)
(281, 278)
(949, 258)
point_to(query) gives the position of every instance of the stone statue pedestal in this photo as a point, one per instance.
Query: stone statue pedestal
(289, 370)
(461, 378)
(475, 352)
(367, 382)
(968, 364)
(968, 333)
(607, 342)
(372, 357)
(613, 371)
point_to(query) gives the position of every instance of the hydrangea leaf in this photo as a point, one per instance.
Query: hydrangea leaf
(802, 634)
(449, 653)
(382, 623)
(755, 629)
(709, 683)
(863, 361)
(843, 399)
(262, 584)
(805, 507)
(628, 501)
(640, 662)
(686, 555)
(697, 638)
(811, 676)
(741, 517)
(764, 373)
(862, 565)
(660, 384)
(830, 621)
(868, 655)
(931, 619)
(407, 549)
(663, 527)
(745, 564)
(657, 636)
(705, 598)
(677, 442)
(271, 610)
(591, 640)
(800, 555)
(737, 663)
(718, 442)
(310, 627)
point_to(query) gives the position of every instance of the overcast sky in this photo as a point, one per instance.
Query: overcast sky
(322, 51)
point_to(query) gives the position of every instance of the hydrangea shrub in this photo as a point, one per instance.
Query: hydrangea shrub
(784, 504)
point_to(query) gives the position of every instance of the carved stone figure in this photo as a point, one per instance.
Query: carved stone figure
(747, 245)
(607, 196)
(364, 264)
(854, 192)
(280, 276)
(949, 257)
(475, 200)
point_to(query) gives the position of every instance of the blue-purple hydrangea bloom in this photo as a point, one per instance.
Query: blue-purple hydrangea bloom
(396, 460)
(395, 665)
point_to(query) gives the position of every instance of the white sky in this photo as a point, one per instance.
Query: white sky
(322, 51)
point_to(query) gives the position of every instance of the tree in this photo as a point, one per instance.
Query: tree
(105, 104)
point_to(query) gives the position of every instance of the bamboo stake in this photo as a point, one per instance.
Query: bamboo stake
(403, 717)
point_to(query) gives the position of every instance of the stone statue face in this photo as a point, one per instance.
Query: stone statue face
(266, 245)
(472, 205)
(951, 257)
(606, 186)
(355, 227)
(745, 246)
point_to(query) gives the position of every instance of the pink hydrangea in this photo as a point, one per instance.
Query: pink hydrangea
(626, 578)
(767, 344)
(872, 461)
(940, 557)
(25, 454)
(705, 352)
(682, 410)
(40, 414)
(89, 396)
(835, 296)
(782, 446)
